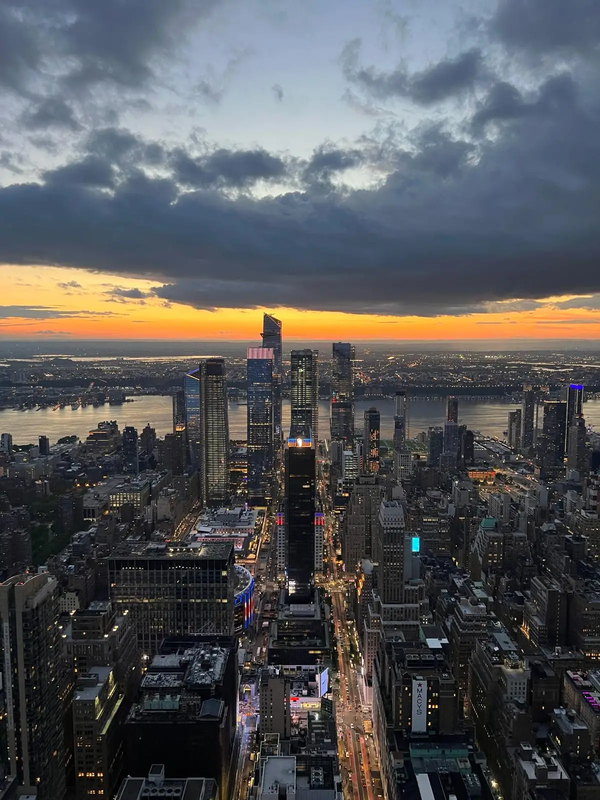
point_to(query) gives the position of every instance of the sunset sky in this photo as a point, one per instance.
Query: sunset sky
(363, 169)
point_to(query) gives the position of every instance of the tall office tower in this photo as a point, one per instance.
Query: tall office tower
(305, 392)
(551, 443)
(271, 339)
(193, 419)
(148, 439)
(371, 438)
(32, 668)
(44, 445)
(451, 437)
(208, 428)
(98, 715)
(435, 446)
(261, 431)
(391, 553)
(342, 393)
(179, 420)
(528, 432)
(452, 410)
(173, 590)
(359, 527)
(130, 450)
(400, 422)
(213, 396)
(171, 453)
(578, 456)
(574, 407)
(514, 428)
(300, 514)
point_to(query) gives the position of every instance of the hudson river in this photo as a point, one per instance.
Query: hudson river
(25, 426)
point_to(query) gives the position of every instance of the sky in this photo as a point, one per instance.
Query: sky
(363, 169)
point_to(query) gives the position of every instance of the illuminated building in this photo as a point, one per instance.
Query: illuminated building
(550, 445)
(130, 450)
(305, 391)
(260, 425)
(208, 428)
(514, 428)
(98, 714)
(243, 599)
(578, 457)
(271, 339)
(342, 393)
(275, 712)
(302, 546)
(528, 433)
(179, 415)
(31, 726)
(361, 520)
(574, 408)
(371, 437)
(173, 590)
(452, 410)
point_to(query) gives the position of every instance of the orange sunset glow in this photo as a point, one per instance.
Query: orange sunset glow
(79, 304)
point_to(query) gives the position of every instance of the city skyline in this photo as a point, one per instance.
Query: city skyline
(390, 170)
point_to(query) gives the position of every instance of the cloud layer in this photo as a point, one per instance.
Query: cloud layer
(493, 196)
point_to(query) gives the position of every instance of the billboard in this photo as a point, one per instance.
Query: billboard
(324, 682)
(419, 707)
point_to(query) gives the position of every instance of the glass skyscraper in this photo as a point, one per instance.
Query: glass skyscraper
(342, 393)
(574, 408)
(300, 513)
(261, 431)
(208, 428)
(305, 392)
(371, 437)
(271, 336)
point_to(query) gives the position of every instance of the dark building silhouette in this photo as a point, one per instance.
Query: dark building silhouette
(260, 425)
(452, 410)
(271, 339)
(300, 511)
(342, 393)
(130, 450)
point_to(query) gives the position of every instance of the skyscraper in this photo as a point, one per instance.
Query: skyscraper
(271, 336)
(574, 408)
(551, 443)
(179, 420)
(371, 438)
(514, 428)
(261, 431)
(400, 422)
(305, 392)
(451, 437)
(173, 590)
(342, 393)
(452, 410)
(208, 428)
(214, 477)
(300, 513)
(31, 651)
(578, 457)
(193, 422)
(435, 446)
(130, 450)
(528, 433)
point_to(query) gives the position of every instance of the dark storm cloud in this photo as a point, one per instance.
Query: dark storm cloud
(328, 161)
(544, 26)
(91, 171)
(53, 112)
(226, 168)
(128, 294)
(113, 41)
(505, 102)
(448, 78)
